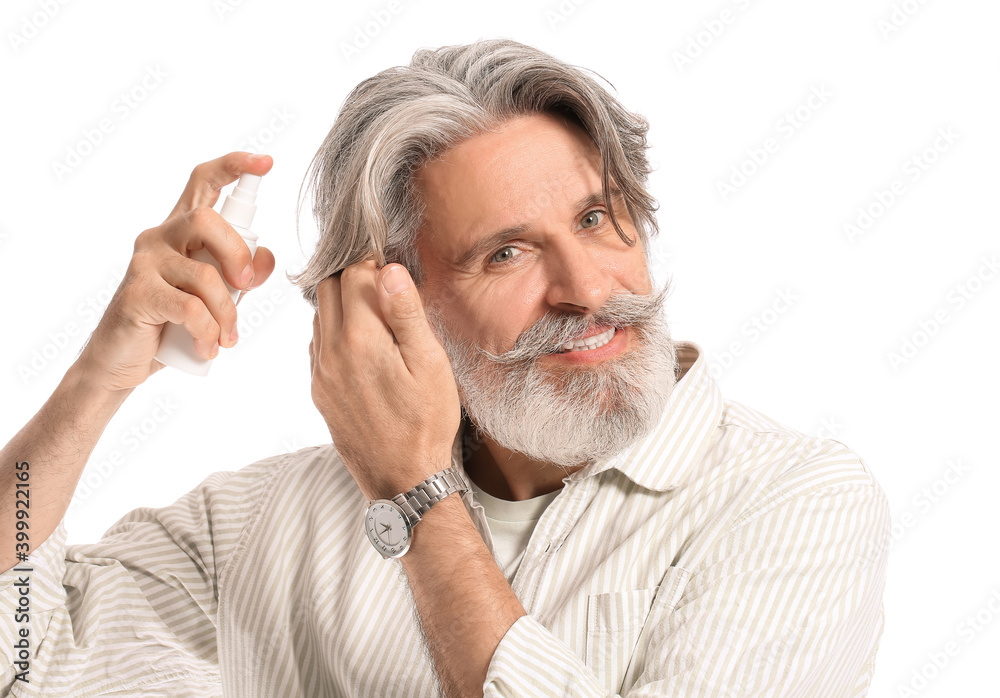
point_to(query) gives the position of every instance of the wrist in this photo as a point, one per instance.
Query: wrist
(389, 483)
(390, 521)
(449, 518)
(447, 526)
(80, 388)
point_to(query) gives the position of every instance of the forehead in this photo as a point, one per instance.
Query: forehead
(530, 168)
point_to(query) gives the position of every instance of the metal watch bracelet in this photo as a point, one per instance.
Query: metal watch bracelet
(418, 501)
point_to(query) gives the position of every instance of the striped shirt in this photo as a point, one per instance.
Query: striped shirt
(721, 555)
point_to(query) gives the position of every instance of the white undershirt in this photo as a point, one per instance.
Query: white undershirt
(511, 524)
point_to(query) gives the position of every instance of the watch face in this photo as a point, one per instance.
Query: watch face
(387, 529)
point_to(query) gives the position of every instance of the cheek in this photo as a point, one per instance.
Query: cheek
(625, 267)
(495, 314)
(633, 272)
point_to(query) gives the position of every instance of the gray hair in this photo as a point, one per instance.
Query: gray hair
(364, 195)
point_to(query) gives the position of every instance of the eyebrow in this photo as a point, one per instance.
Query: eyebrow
(489, 242)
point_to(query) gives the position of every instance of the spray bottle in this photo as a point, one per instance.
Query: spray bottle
(176, 343)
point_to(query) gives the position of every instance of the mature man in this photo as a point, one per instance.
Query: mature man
(531, 488)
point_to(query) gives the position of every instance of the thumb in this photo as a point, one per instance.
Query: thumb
(403, 310)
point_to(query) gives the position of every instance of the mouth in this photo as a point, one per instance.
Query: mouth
(595, 341)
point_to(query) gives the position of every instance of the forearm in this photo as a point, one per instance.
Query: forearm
(56, 443)
(463, 600)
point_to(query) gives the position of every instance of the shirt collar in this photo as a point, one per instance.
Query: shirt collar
(661, 459)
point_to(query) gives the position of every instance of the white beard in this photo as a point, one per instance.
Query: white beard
(573, 414)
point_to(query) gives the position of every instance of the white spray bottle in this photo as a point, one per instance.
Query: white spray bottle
(176, 343)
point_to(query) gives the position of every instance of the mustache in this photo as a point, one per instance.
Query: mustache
(553, 330)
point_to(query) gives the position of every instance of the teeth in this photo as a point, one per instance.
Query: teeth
(598, 340)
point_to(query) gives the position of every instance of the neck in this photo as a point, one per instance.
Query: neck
(507, 474)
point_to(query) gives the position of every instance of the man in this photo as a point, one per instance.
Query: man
(531, 488)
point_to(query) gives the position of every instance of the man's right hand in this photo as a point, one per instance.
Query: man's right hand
(162, 284)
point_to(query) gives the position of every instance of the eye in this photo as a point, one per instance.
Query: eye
(592, 219)
(505, 260)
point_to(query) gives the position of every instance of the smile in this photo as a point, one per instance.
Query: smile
(595, 342)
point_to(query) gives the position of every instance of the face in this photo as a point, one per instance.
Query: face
(520, 257)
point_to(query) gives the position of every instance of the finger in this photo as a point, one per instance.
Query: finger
(203, 228)
(263, 265)
(362, 311)
(208, 178)
(403, 310)
(330, 313)
(203, 280)
(178, 307)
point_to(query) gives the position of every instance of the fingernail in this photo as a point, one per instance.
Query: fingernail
(395, 280)
(234, 335)
(258, 156)
(215, 350)
(246, 276)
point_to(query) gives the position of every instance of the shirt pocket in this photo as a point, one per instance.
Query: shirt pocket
(614, 622)
(616, 645)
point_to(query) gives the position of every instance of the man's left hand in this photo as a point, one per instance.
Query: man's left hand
(382, 380)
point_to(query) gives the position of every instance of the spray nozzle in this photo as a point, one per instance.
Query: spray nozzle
(246, 188)
(238, 208)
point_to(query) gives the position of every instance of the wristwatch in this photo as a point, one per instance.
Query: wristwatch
(389, 522)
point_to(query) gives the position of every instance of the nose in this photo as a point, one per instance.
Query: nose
(578, 281)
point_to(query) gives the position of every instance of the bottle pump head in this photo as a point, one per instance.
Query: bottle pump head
(238, 208)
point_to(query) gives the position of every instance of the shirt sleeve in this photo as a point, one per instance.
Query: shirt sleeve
(787, 601)
(134, 614)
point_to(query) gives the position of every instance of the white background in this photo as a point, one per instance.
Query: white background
(220, 73)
